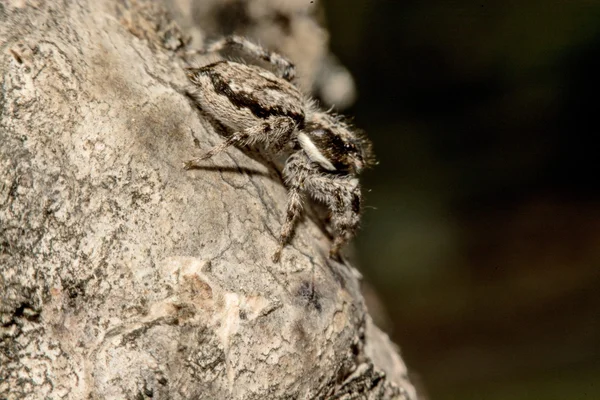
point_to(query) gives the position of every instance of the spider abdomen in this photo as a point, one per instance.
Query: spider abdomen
(241, 96)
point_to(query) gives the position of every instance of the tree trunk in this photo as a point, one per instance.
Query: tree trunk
(124, 276)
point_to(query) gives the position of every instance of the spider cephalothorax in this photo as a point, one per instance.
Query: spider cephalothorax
(261, 106)
(332, 144)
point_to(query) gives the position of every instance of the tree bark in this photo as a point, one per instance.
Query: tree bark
(124, 276)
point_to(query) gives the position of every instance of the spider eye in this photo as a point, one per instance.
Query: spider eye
(350, 147)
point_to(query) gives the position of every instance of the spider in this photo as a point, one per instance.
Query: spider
(262, 106)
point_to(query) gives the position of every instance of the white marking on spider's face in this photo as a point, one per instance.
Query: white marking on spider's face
(313, 152)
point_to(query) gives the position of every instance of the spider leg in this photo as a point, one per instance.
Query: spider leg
(272, 132)
(294, 173)
(285, 68)
(344, 232)
(343, 198)
(294, 209)
(345, 218)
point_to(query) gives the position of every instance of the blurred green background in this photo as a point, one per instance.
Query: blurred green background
(482, 232)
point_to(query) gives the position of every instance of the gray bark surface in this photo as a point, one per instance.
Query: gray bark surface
(124, 276)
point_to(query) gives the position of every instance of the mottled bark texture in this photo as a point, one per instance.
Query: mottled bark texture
(124, 276)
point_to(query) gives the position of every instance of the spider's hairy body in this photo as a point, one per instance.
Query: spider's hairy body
(237, 94)
(261, 106)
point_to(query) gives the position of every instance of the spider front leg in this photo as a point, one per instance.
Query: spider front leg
(294, 174)
(294, 209)
(285, 68)
(273, 132)
(342, 196)
(345, 218)
(345, 226)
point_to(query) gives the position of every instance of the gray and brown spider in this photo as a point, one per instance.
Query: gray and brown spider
(261, 106)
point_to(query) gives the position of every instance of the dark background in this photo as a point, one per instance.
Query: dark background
(482, 232)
